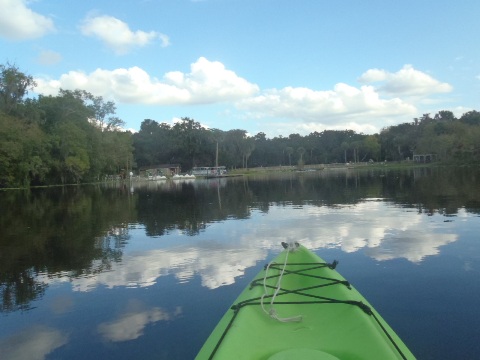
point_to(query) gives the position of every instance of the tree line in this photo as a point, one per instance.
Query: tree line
(69, 138)
(76, 137)
(189, 144)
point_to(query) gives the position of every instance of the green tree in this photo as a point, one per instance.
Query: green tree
(191, 141)
(14, 86)
(147, 143)
(234, 145)
(371, 146)
(471, 118)
(22, 152)
(289, 150)
(248, 145)
(301, 151)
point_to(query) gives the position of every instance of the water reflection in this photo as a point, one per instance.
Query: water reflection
(80, 235)
(218, 264)
(35, 342)
(374, 226)
(107, 267)
(130, 324)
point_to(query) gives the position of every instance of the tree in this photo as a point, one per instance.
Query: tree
(445, 115)
(189, 136)
(103, 113)
(289, 150)
(71, 149)
(371, 146)
(345, 146)
(23, 152)
(118, 152)
(471, 118)
(147, 143)
(301, 151)
(14, 85)
(234, 147)
(247, 147)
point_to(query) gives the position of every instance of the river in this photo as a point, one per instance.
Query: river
(146, 269)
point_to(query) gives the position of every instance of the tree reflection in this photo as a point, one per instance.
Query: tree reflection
(58, 230)
(80, 231)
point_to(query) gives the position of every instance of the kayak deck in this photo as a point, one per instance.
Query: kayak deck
(315, 314)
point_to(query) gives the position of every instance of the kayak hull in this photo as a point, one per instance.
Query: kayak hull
(315, 314)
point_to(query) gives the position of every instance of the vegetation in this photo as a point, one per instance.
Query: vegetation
(189, 144)
(69, 138)
(75, 137)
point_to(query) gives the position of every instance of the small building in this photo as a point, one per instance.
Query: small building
(424, 158)
(161, 169)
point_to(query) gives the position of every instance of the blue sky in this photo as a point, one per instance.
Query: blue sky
(272, 66)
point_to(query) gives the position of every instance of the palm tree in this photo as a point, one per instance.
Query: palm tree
(289, 151)
(301, 151)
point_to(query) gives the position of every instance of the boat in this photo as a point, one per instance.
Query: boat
(300, 307)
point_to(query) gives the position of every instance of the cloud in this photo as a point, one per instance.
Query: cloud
(117, 36)
(18, 22)
(34, 343)
(364, 109)
(405, 82)
(361, 109)
(207, 82)
(49, 57)
(344, 100)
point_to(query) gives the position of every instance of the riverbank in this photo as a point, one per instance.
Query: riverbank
(337, 166)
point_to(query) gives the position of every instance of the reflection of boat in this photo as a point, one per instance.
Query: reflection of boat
(299, 307)
(183, 177)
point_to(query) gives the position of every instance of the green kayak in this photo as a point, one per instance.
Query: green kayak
(300, 307)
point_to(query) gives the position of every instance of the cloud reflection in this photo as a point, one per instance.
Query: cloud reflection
(410, 244)
(33, 343)
(217, 265)
(375, 227)
(130, 325)
(378, 228)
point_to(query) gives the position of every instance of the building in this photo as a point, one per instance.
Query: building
(161, 169)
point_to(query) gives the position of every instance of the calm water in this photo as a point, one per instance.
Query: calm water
(146, 270)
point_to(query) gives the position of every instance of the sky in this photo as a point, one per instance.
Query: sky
(273, 66)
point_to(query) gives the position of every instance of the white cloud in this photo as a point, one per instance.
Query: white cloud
(344, 100)
(207, 82)
(18, 22)
(117, 36)
(405, 82)
(364, 109)
(345, 107)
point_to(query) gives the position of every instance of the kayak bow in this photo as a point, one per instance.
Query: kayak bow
(300, 307)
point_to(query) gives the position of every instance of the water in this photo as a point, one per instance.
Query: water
(146, 270)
